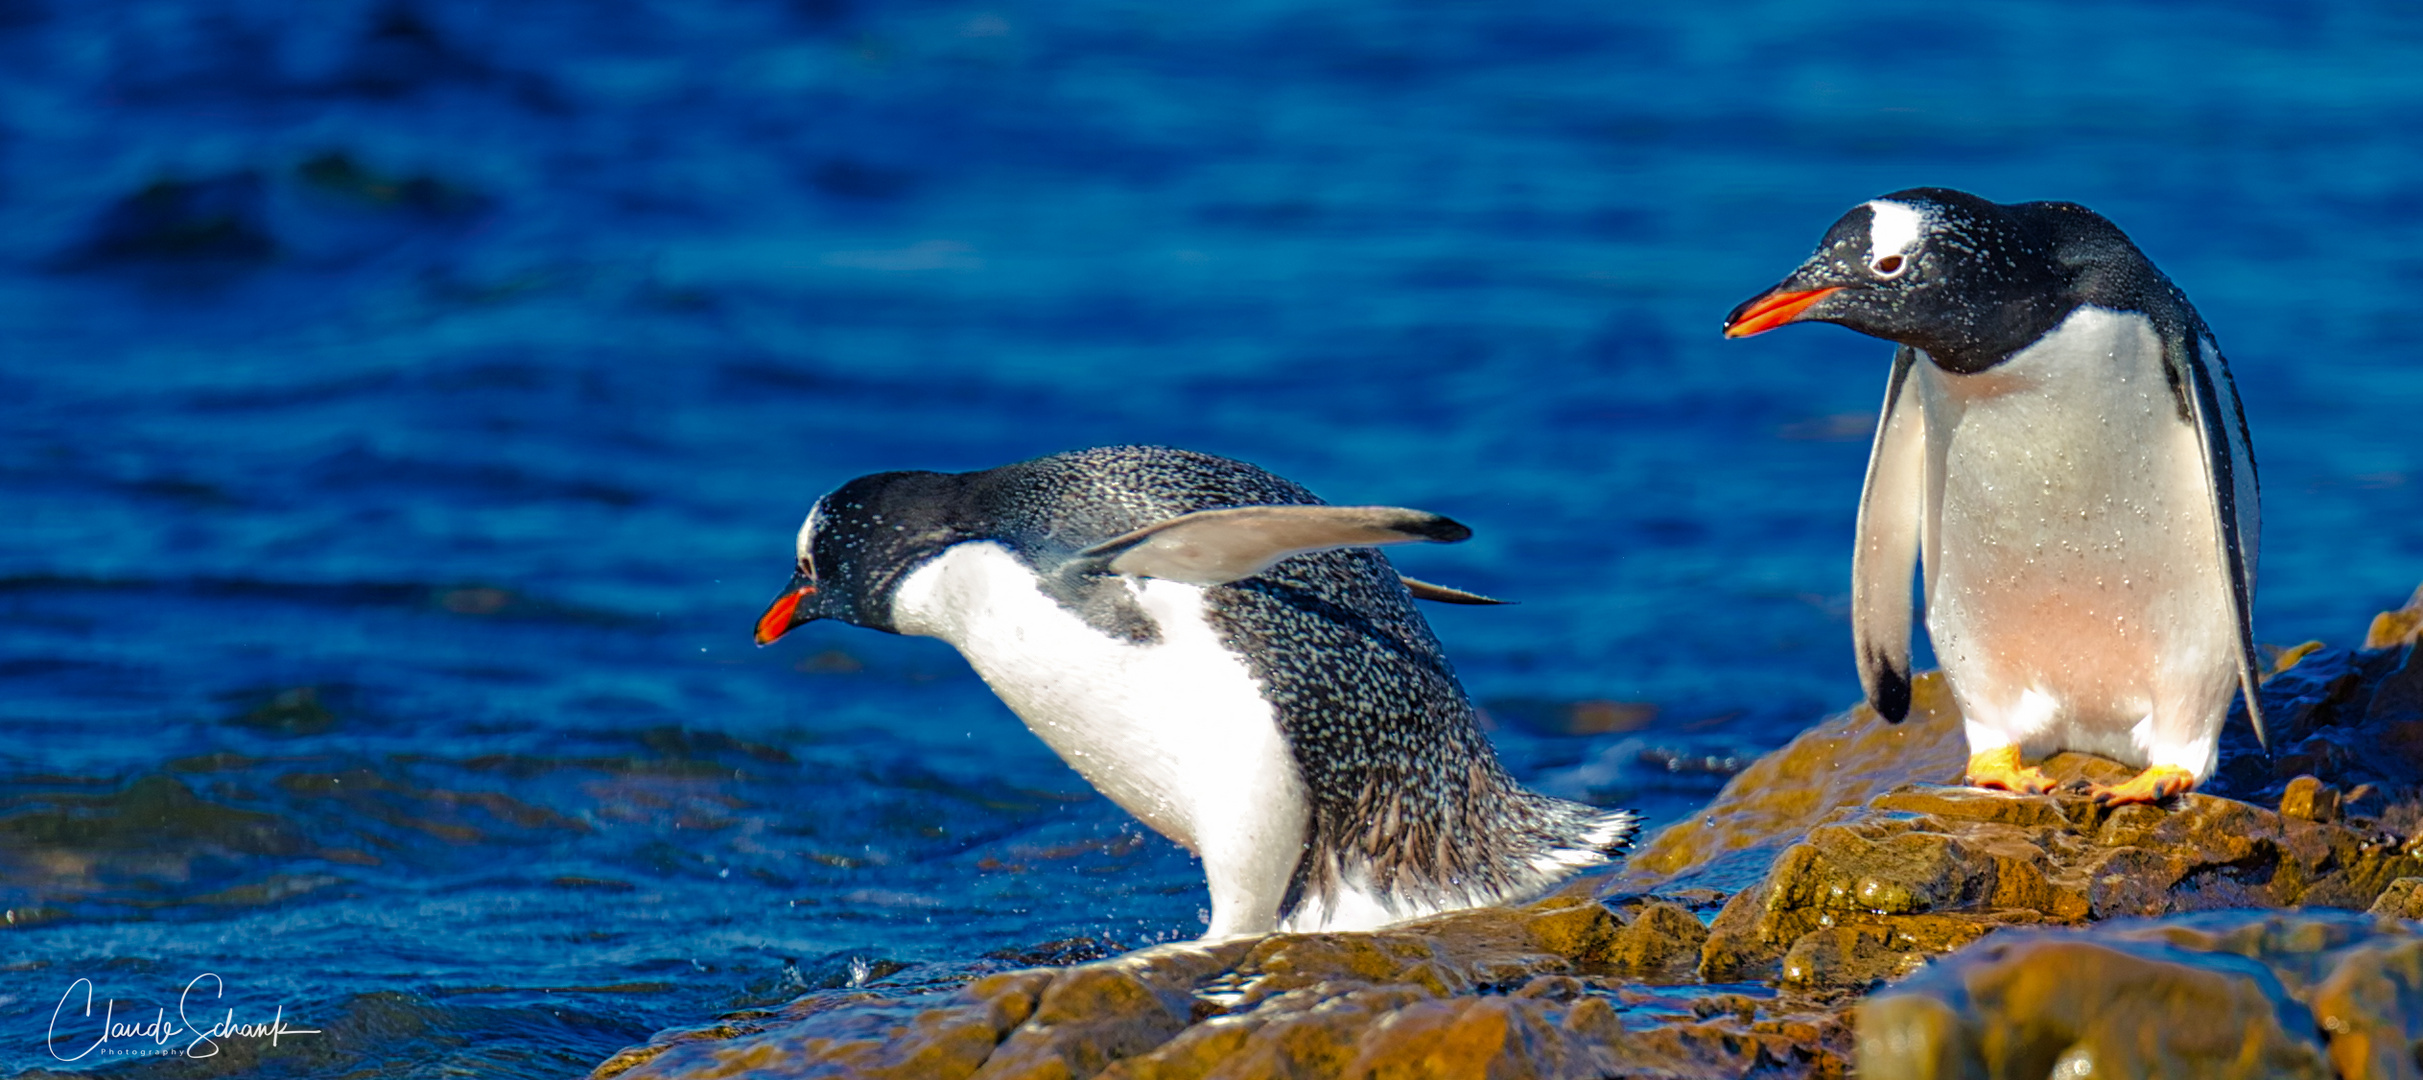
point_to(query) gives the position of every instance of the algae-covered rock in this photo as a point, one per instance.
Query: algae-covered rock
(2342, 722)
(857, 1034)
(1660, 938)
(1841, 762)
(1094, 1014)
(1924, 869)
(2391, 629)
(1974, 922)
(1515, 993)
(2403, 899)
(2371, 1006)
(2226, 994)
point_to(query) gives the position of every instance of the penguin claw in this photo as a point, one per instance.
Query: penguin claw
(2001, 770)
(2151, 786)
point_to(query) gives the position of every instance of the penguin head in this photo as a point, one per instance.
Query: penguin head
(855, 547)
(1967, 280)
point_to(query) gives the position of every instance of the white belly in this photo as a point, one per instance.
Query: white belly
(2076, 592)
(1176, 732)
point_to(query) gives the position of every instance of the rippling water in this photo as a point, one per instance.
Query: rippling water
(405, 409)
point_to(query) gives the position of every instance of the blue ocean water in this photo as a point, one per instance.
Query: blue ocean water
(406, 407)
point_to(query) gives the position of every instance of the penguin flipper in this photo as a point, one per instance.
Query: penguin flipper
(1441, 594)
(2235, 494)
(1891, 511)
(1215, 547)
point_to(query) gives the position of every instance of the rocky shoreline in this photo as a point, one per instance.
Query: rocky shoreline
(1857, 911)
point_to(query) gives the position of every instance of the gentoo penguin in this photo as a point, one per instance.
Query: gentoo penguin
(2062, 443)
(1223, 656)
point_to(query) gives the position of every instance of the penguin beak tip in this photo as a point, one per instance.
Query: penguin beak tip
(1772, 309)
(782, 615)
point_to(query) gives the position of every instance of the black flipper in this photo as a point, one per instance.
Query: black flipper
(1891, 516)
(2229, 463)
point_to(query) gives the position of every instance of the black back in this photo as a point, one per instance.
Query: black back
(1987, 279)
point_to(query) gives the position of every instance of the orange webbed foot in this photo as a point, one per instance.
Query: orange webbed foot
(2002, 769)
(2151, 786)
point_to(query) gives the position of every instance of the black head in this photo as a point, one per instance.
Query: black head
(1966, 280)
(858, 543)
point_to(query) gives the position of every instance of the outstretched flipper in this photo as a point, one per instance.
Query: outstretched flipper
(2229, 462)
(1215, 547)
(1891, 510)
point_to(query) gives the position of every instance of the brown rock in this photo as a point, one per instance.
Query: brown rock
(1840, 763)
(2370, 1006)
(1880, 868)
(1849, 859)
(1661, 937)
(2222, 994)
(836, 1035)
(2391, 629)
(1973, 804)
(2308, 799)
(2289, 657)
(1577, 931)
(2065, 1006)
(1470, 1038)
(2132, 881)
(1313, 1036)
(2399, 695)
(1843, 956)
(2402, 900)
(1095, 1014)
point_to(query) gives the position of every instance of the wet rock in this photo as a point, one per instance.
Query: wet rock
(1840, 763)
(1503, 992)
(1973, 922)
(2351, 721)
(2400, 695)
(1924, 869)
(1492, 1037)
(2308, 799)
(2391, 629)
(144, 845)
(859, 1034)
(2231, 994)
(1094, 1014)
(2370, 1006)
(2402, 900)
(1660, 938)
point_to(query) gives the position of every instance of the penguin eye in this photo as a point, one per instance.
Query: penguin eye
(1890, 266)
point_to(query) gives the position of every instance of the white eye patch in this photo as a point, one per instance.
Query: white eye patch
(1893, 228)
(807, 532)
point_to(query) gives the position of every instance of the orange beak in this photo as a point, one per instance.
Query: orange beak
(1772, 310)
(778, 619)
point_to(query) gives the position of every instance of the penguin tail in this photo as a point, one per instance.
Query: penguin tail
(1578, 837)
(1613, 832)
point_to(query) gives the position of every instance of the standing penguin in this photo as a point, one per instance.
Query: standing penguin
(1219, 653)
(2062, 441)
